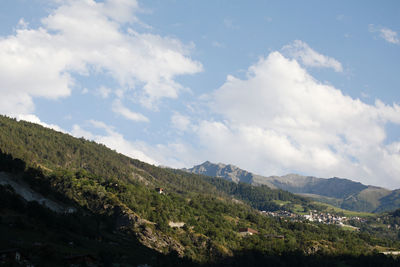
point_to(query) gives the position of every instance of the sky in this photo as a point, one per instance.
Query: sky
(273, 87)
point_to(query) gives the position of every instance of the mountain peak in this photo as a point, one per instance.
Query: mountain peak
(227, 171)
(349, 194)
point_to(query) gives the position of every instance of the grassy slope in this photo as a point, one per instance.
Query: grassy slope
(371, 199)
(346, 213)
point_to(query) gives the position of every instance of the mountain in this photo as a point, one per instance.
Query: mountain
(230, 173)
(65, 199)
(343, 193)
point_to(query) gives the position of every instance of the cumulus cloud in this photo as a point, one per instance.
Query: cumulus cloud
(280, 119)
(85, 38)
(113, 140)
(174, 154)
(390, 36)
(180, 122)
(103, 91)
(309, 57)
(119, 108)
(387, 34)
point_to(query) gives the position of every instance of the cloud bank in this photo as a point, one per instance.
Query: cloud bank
(114, 140)
(280, 119)
(83, 38)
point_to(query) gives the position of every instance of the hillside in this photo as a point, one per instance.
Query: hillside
(115, 214)
(339, 192)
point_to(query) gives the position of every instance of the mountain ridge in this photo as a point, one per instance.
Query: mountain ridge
(340, 192)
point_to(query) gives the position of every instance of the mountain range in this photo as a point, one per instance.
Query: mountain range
(343, 193)
(65, 199)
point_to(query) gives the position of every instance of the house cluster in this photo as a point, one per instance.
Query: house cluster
(395, 226)
(326, 218)
(313, 216)
(359, 219)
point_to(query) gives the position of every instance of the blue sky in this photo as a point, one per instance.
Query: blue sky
(274, 87)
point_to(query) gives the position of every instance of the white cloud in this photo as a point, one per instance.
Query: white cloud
(120, 109)
(22, 24)
(85, 38)
(114, 140)
(309, 57)
(387, 34)
(78, 132)
(175, 154)
(280, 119)
(172, 154)
(390, 36)
(180, 122)
(103, 91)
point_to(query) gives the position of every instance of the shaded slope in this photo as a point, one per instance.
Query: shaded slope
(333, 187)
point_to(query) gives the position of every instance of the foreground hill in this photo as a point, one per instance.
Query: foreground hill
(339, 192)
(90, 200)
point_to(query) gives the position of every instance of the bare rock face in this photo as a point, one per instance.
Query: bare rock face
(26, 192)
(128, 221)
(229, 172)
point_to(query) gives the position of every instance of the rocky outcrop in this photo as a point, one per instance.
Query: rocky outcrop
(129, 222)
(26, 192)
(229, 172)
(176, 224)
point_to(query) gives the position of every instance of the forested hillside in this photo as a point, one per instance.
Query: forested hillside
(119, 210)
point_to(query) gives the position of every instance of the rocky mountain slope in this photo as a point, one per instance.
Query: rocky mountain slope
(343, 193)
(229, 172)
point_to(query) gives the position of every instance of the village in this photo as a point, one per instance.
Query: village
(315, 216)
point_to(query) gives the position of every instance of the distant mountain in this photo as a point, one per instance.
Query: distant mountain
(332, 187)
(229, 172)
(343, 193)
